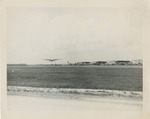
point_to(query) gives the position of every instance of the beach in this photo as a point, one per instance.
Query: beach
(25, 107)
(26, 103)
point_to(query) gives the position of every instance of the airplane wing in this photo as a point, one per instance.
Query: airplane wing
(48, 60)
(56, 59)
(51, 59)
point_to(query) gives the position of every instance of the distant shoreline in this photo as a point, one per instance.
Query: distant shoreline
(137, 62)
(39, 65)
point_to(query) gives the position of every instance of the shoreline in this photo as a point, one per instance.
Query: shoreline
(35, 99)
(38, 65)
(92, 95)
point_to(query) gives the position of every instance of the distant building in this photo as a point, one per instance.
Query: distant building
(82, 63)
(100, 63)
(111, 63)
(137, 62)
(122, 62)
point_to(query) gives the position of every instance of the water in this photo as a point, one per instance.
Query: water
(128, 78)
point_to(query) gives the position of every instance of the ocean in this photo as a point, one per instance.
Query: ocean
(122, 78)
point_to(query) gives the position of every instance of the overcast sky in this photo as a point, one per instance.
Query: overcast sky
(73, 34)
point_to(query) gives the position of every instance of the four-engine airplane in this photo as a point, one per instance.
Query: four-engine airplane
(51, 60)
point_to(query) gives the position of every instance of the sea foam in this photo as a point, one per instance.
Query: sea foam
(96, 92)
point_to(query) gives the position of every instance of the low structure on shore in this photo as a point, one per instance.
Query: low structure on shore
(86, 63)
(122, 62)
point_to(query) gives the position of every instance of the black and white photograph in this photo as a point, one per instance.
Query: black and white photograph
(74, 58)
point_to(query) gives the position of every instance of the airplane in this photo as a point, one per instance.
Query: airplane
(51, 60)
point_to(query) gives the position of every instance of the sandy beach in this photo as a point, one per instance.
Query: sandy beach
(25, 103)
(25, 107)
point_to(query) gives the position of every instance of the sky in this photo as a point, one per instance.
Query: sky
(73, 34)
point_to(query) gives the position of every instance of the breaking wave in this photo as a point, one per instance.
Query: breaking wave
(96, 92)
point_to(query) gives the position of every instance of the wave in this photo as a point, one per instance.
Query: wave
(96, 92)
